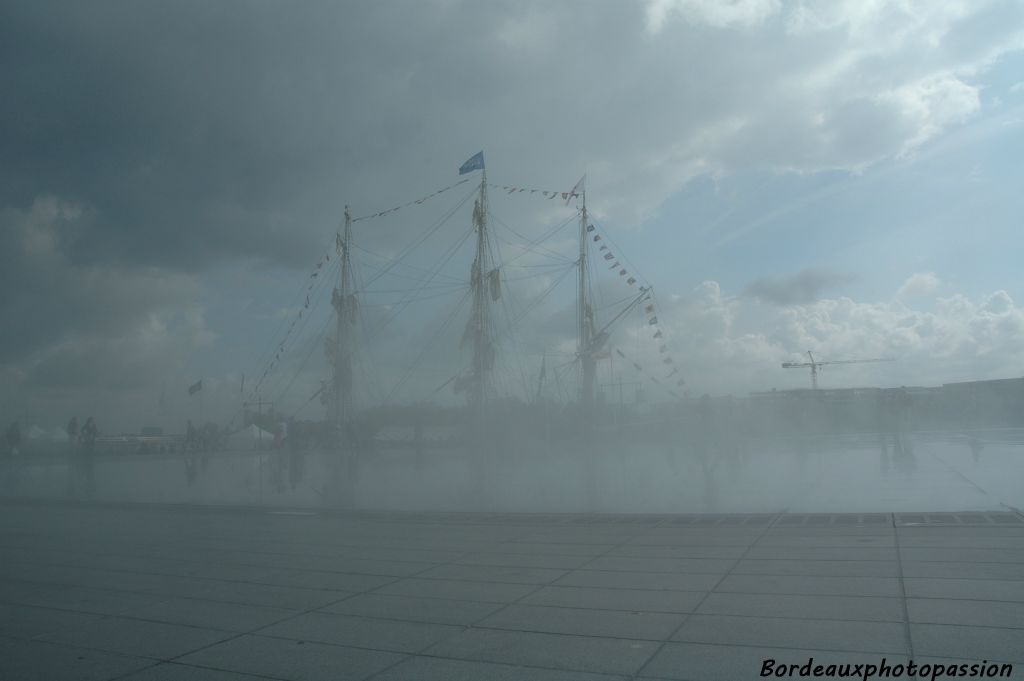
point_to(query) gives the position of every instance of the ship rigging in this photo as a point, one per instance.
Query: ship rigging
(363, 308)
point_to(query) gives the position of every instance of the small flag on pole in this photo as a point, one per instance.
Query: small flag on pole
(575, 190)
(195, 387)
(475, 162)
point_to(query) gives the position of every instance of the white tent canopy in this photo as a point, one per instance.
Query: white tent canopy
(250, 436)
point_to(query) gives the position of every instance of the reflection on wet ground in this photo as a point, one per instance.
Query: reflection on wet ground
(891, 471)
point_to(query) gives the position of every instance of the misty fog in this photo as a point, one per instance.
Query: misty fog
(653, 258)
(952, 448)
(522, 340)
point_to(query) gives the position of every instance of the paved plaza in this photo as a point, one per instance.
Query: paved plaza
(148, 593)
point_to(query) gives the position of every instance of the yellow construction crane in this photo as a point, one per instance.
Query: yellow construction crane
(814, 364)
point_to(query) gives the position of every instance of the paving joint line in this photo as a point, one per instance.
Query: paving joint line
(473, 624)
(907, 638)
(696, 607)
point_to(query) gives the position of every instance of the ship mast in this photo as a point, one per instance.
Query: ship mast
(585, 316)
(481, 275)
(344, 303)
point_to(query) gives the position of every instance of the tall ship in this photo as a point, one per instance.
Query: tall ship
(507, 280)
(474, 385)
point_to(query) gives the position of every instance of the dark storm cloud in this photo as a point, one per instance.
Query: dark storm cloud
(144, 144)
(182, 127)
(200, 131)
(804, 287)
(50, 299)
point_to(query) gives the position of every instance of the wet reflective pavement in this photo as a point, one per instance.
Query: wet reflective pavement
(160, 592)
(950, 471)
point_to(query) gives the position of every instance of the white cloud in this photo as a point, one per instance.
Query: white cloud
(731, 344)
(919, 284)
(931, 105)
(714, 13)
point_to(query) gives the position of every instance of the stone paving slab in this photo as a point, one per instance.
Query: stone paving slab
(439, 669)
(293, 660)
(413, 609)
(968, 642)
(175, 671)
(881, 637)
(959, 611)
(361, 632)
(585, 622)
(137, 637)
(24, 621)
(973, 589)
(810, 585)
(963, 570)
(869, 608)
(632, 600)
(640, 580)
(486, 592)
(42, 661)
(197, 612)
(552, 651)
(148, 593)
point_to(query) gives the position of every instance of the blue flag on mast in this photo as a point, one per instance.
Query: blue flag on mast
(475, 162)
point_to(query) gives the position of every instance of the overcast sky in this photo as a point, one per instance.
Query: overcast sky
(843, 177)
